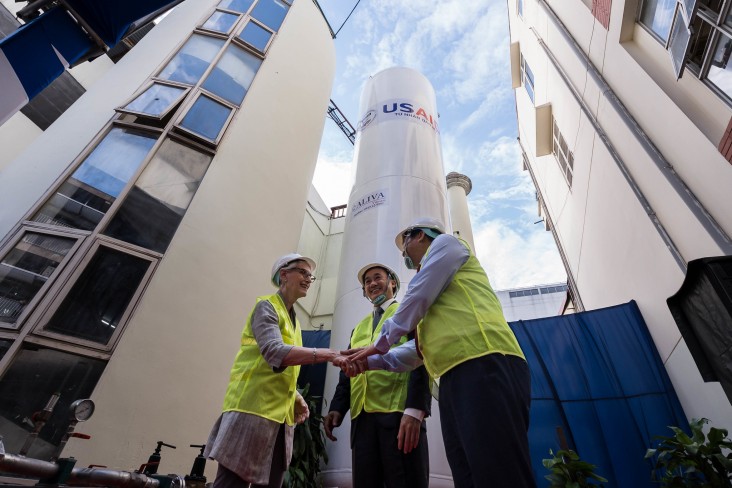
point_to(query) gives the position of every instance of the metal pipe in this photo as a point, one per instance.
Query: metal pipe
(718, 234)
(673, 249)
(36, 468)
(110, 477)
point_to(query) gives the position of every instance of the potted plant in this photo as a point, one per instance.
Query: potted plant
(695, 460)
(568, 471)
(308, 449)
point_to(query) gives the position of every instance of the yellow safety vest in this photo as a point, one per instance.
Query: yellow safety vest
(465, 322)
(377, 391)
(254, 387)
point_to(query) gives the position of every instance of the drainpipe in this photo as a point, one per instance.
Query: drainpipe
(707, 221)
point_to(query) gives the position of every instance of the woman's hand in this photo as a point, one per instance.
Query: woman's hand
(302, 412)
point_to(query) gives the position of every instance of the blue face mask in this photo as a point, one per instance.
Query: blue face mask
(409, 263)
(379, 300)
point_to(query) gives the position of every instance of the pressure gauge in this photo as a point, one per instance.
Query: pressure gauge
(82, 410)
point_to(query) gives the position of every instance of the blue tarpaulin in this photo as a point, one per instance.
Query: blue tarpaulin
(598, 376)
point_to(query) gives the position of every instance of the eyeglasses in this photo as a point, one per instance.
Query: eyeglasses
(305, 273)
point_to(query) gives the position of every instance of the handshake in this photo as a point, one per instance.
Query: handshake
(353, 361)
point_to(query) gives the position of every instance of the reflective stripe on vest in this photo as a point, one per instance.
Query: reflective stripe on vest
(253, 387)
(465, 322)
(377, 391)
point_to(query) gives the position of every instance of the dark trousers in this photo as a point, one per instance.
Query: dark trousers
(376, 460)
(484, 414)
(225, 478)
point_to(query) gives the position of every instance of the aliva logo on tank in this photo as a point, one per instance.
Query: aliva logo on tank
(399, 109)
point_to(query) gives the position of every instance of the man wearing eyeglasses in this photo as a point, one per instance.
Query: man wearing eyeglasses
(463, 339)
(388, 432)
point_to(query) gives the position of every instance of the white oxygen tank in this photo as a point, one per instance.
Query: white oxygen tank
(399, 178)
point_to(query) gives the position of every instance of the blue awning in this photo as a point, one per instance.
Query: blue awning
(37, 53)
(598, 376)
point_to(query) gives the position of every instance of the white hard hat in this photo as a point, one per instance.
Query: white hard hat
(423, 223)
(362, 273)
(285, 261)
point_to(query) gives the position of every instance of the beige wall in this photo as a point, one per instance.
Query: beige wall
(615, 254)
(167, 377)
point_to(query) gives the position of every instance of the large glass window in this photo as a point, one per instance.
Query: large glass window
(220, 22)
(100, 299)
(26, 268)
(4, 347)
(35, 375)
(256, 36)
(658, 15)
(720, 70)
(237, 5)
(206, 118)
(233, 74)
(189, 64)
(270, 12)
(156, 101)
(151, 212)
(85, 197)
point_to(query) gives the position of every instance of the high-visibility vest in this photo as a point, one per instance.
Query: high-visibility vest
(464, 322)
(377, 391)
(253, 386)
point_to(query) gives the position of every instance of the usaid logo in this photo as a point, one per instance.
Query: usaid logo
(366, 202)
(398, 109)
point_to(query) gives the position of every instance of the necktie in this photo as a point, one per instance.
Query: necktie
(378, 312)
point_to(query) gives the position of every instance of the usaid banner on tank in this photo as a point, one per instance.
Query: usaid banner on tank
(367, 202)
(398, 109)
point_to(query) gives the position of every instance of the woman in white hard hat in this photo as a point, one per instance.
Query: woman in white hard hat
(252, 439)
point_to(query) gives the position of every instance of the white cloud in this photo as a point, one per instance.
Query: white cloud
(512, 260)
(333, 181)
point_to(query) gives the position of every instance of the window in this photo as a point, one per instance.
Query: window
(698, 36)
(152, 210)
(233, 74)
(237, 5)
(35, 375)
(99, 301)
(270, 13)
(256, 36)
(26, 268)
(207, 118)
(561, 152)
(156, 101)
(87, 194)
(221, 22)
(189, 64)
(520, 7)
(527, 78)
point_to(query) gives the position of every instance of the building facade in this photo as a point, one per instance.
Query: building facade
(623, 111)
(139, 228)
(534, 302)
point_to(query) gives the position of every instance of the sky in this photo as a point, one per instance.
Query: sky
(462, 47)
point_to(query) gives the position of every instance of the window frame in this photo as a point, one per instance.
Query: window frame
(29, 227)
(524, 77)
(566, 168)
(62, 291)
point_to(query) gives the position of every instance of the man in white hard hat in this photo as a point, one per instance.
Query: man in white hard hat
(463, 339)
(388, 432)
(252, 439)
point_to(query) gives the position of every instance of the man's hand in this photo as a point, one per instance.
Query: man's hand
(408, 436)
(330, 422)
(361, 353)
(302, 412)
(349, 367)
